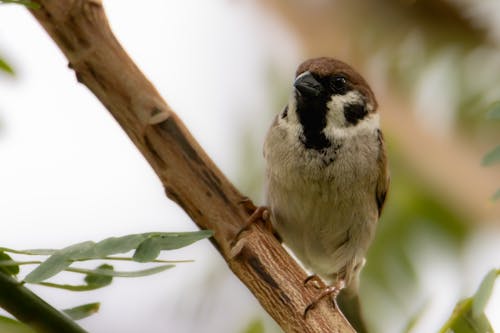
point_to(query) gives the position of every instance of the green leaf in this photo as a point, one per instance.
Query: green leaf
(127, 243)
(69, 287)
(82, 311)
(83, 250)
(151, 247)
(12, 268)
(482, 295)
(99, 280)
(147, 250)
(27, 3)
(122, 244)
(494, 111)
(468, 315)
(34, 252)
(492, 157)
(59, 261)
(176, 240)
(50, 267)
(130, 274)
(92, 281)
(62, 259)
(6, 67)
(9, 325)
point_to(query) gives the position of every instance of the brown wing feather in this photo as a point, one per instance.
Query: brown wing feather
(384, 177)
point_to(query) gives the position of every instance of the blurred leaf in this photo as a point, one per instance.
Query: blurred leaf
(494, 111)
(27, 3)
(8, 269)
(414, 320)
(468, 315)
(82, 311)
(9, 325)
(492, 157)
(255, 326)
(6, 67)
(62, 259)
(482, 295)
(496, 196)
(462, 320)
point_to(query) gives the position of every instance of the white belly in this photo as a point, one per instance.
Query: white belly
(325, 212)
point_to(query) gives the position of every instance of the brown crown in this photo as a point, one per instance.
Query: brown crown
(325, 67)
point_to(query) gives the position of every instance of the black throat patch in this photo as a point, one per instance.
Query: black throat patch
(312, 116)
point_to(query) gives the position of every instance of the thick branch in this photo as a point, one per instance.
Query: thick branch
(190, 178)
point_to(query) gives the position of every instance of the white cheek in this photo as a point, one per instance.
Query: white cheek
(291, 123)
(367, 125)
(335, 116)
(336, 125)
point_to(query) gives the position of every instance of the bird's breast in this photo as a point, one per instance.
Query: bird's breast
(322, 202)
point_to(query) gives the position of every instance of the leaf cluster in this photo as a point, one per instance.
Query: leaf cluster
(146, 248)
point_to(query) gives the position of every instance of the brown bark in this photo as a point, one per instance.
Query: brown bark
(190, 178)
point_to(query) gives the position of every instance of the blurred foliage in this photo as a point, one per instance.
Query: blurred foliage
(408, 41)
(5, 67)
(414, 38)
(414, 216)
(9, 325)
(255, 326)
(493, 157)
(27, 3)
(468, 315)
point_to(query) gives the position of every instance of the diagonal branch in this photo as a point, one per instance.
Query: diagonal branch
(31, 309)
(190, 178)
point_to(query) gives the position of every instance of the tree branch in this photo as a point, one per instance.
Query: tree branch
(190, 178)
(31, 309)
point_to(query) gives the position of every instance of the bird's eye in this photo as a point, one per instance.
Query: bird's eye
(339, 84)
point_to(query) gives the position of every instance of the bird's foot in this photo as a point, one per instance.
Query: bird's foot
(313, 279)
(257, 214)
(332, 291)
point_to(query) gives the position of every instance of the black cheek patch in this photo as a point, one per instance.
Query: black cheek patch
(353, 113)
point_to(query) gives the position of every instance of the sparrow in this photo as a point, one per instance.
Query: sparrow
(327, 173)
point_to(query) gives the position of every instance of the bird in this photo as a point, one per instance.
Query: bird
(327, 176)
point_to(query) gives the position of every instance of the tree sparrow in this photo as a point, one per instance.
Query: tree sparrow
(327, 173)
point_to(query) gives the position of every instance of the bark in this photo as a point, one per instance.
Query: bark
(190, 178)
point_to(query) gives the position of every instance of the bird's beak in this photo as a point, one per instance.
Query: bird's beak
(307, 85)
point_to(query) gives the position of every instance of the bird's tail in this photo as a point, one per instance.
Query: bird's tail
(349, 303)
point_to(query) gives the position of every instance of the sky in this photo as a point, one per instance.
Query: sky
(68, 173)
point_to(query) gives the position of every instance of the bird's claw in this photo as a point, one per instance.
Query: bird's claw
(257, 213)
(332, 291)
